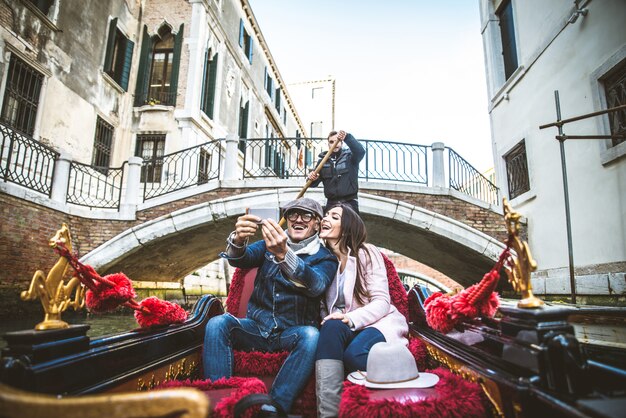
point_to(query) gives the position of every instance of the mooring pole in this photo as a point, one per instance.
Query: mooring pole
(568, 222)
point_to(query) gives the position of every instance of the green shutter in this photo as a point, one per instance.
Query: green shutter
(141, 89)
(250, 51)
(212, 80)
(205, 81)
(108, 57)
(178, 43)
(128, 60)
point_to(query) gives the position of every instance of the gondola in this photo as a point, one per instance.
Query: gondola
(524, 361)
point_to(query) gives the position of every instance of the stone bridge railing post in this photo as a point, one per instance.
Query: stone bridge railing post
(61, 178)
(130, 200)
(232, 170)
(439, 171)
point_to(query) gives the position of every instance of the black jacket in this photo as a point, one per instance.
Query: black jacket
(340, 174)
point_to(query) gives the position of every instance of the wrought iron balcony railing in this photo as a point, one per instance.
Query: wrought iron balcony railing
(31, 164)
(26, 162)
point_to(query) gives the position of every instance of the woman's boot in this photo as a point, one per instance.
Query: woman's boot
(329, 383)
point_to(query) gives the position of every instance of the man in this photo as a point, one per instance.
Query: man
(340, 173)
(283, 311)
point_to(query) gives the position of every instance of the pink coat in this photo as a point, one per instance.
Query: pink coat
(378, 312)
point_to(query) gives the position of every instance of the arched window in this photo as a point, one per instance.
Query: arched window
(157, 80)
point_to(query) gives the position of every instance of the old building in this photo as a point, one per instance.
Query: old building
(104, 81)
(578, 48)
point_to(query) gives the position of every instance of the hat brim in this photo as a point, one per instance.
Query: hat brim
(424, 380)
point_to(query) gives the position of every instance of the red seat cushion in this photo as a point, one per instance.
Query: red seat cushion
(452, 396)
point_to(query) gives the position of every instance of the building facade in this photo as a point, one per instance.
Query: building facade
(105, 81)
(578, 48)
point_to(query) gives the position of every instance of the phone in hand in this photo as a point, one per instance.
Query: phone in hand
(265, 213)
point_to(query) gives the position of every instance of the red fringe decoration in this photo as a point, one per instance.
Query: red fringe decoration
(106, 298)
(155, 311)
(443, 312)
(457, 398)
(234, 292)
(242, 386)
(397, 292)
(418, 348)
(258, 363)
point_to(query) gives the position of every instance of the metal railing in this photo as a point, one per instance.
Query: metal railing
(31, 164)
(95, 187)
(26, 162)
(179, 170)
(465, 178)
(394, 161)
(296, 157)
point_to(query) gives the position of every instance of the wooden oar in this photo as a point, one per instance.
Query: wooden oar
(308, 183)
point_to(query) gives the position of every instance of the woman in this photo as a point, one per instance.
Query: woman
(357, 312)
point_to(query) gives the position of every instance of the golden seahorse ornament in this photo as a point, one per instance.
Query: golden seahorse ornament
(518, 268)
(54, 293)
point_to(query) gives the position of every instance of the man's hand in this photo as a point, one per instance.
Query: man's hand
(313, 176)
(275, 239)
(341, 135)
(245, 227)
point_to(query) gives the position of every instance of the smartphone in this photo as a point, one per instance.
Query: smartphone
(265, 213)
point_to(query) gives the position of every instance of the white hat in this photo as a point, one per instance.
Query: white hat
(392, 366)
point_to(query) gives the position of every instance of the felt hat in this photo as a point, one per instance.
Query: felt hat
(392, 366)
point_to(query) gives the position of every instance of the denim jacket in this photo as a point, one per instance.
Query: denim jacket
(278, 302)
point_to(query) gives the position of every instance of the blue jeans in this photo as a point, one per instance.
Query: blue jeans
(225, 333)
(339, 342)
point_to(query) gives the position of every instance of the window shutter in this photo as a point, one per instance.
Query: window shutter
(141, 89)
(241, 32)
(212, 79)
(178, 43)
(205, 81)
(108, 57)
(251, 49)
(128, 59)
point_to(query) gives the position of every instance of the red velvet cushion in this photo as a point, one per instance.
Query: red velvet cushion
(223, 393)
(451, 397)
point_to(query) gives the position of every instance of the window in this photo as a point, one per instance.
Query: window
(517, 170)
(43, 5)
(204, 166)
(102, 144)
(151, 148)
(269, 84)
(21, 96)
(245, 41)
(316, 129)
(277, 101)
(119, 55)
(208, 86)
(507, 32)
(615, 92)
(157, 78)
(243, 124)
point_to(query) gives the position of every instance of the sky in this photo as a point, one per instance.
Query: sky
(405, 70)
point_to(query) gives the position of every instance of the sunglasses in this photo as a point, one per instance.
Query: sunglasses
(293, 216)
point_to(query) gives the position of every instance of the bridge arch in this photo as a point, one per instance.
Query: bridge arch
(171, 246)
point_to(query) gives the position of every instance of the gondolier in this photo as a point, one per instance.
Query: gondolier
(340, 173)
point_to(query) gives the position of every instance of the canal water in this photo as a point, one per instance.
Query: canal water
(100, 325)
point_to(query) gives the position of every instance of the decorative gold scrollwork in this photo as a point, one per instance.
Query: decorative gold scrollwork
(178, 371)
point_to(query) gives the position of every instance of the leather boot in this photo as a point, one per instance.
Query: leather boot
(328, 385)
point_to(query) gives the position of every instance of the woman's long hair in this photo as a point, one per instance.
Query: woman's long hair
(353, 236)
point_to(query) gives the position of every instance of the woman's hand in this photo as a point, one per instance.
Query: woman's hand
(338, 315)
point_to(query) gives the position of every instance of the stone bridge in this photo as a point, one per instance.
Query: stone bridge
(439, 227)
